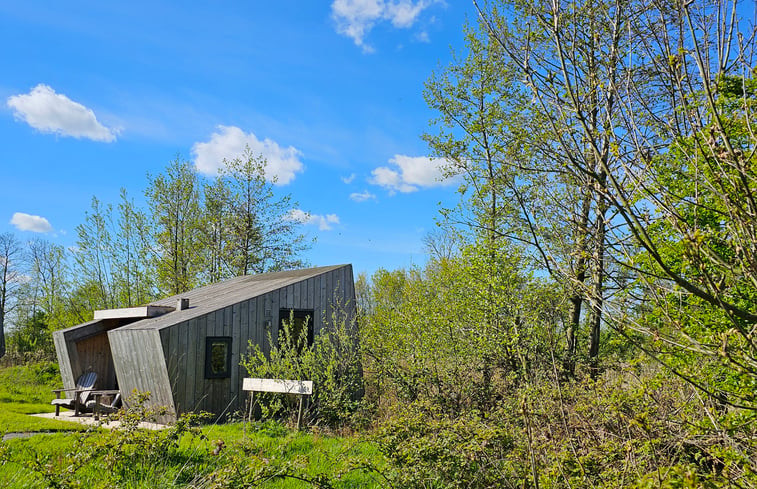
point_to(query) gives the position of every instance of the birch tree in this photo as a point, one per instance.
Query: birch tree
(10, 276)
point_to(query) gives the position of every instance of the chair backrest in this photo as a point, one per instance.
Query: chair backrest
(86, 382)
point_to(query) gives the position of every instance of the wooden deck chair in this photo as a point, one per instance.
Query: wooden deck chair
(84, 385)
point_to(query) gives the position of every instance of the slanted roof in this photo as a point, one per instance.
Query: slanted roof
(212, 297)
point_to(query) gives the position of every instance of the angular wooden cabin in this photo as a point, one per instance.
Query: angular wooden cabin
(185, 350)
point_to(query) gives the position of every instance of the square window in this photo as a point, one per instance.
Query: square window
(301, 319)
(217, 357)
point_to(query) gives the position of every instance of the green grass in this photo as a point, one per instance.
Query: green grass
(267, 455)
(26, 390)
(278, 460)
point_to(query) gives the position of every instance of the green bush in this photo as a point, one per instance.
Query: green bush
(466, 451)
(332, 362)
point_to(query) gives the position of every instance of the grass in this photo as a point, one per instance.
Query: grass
(218, 455)
(27, 390)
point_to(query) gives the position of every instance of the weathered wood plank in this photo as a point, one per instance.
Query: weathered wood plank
(278, 385)
(236, 334)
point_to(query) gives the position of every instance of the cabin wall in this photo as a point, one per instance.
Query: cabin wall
(64, 360)
(94, 356)
(140, 365)
(183, 344)
(85, 348)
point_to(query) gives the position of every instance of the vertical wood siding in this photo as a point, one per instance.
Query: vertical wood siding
(170, 363)
(140, 365)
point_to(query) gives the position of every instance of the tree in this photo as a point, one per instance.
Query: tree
(262, 236)
(10, 274)
(112, 258)
(47, 288)
(517, 188)
(174, 202)
(93, 257)
(622, 84)
(214, 232)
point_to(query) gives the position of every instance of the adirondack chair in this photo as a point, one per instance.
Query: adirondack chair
(85, 384)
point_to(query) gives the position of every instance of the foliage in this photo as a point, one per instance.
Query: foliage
(32, 338)
(638, 429)
(473, 317)
(332, 362)
(466, 451)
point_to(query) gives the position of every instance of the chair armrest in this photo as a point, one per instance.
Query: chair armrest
(67, 390)
(107, 392)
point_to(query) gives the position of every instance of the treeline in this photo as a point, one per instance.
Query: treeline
(191, 231)
(588, 314)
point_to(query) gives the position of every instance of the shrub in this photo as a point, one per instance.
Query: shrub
(332, 362)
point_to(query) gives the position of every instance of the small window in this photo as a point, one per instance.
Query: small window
(217, 357)
(301, 318)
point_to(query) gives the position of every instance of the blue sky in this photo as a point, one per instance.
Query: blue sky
(94, 95)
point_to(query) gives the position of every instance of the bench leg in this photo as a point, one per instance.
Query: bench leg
(57, 410)
(299, 414)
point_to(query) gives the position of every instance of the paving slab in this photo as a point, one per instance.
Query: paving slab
(90, 420)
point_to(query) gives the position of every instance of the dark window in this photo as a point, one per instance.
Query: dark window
(217, 357)
(301, 318)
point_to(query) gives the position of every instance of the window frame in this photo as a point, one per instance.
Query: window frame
(300, 314)
(210, 341)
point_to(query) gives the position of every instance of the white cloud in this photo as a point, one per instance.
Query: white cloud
(47, 111)
(412, 173)
(28, 222)
(323, 222)
(348, 180)
(362, 196)
(356, 18)
(422, 37)
(229, 142)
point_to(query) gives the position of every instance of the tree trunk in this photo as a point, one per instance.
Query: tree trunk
(598, 273)
(576, 300)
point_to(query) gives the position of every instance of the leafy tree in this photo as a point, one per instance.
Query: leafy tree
(621, 85)
(458, 319)
(515, 187)
(10, 275)
(261, 235)
(48, 286)
(32, 336)
(112, 258)
(174, 202)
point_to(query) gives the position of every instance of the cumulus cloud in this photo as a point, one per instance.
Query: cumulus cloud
(229, 142)
(323, 222)
(356, 18)
(362, 196)
(410, 173)
(51, 112)
(348, 180)
(28, 222)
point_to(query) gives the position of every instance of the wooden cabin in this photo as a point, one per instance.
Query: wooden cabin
(185, 350)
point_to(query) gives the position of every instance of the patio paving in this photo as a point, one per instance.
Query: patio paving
(88, 419)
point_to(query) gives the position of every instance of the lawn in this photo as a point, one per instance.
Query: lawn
(67, 454)
(27, 390)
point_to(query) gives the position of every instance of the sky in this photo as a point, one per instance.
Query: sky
(95, 95)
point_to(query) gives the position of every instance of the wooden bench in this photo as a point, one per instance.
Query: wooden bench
(300, 387)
